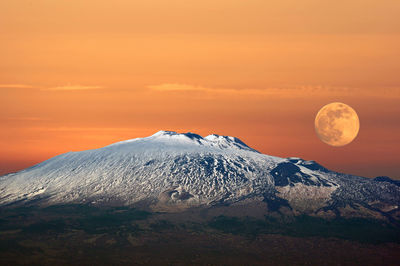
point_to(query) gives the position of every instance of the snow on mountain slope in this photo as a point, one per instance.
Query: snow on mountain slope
(171, 169)
(142, 168)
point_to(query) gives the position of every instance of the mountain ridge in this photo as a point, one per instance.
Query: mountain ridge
(169, 171)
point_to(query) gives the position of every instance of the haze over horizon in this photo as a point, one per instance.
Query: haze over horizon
(78, 75)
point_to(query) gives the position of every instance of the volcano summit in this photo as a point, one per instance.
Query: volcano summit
(174, 172)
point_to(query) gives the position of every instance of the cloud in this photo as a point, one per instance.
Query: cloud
(286, 92)
(79, 129)
(16, 86)
(28, 118)
(289, 91)
(57, 88)
(178, 87)
(73, 88)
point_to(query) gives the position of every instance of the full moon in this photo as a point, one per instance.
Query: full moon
(337, 124)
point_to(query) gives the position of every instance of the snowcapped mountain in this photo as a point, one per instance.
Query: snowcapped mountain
(173, 172)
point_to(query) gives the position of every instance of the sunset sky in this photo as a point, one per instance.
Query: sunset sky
(82, 74)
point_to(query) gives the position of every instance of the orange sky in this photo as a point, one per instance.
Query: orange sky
(76, 75)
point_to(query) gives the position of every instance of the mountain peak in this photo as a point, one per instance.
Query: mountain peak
(166, 133)
(214, 140)
(187, 170)
(162, 133)
(174, 141)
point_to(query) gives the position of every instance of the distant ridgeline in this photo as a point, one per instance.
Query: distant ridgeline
(170, 172)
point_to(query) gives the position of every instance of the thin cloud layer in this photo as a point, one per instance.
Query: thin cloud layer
(290, 91)
(57, 88)
(73, 88)
(28, 118)
(177, 87)
(15, 86)
(100, 129)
